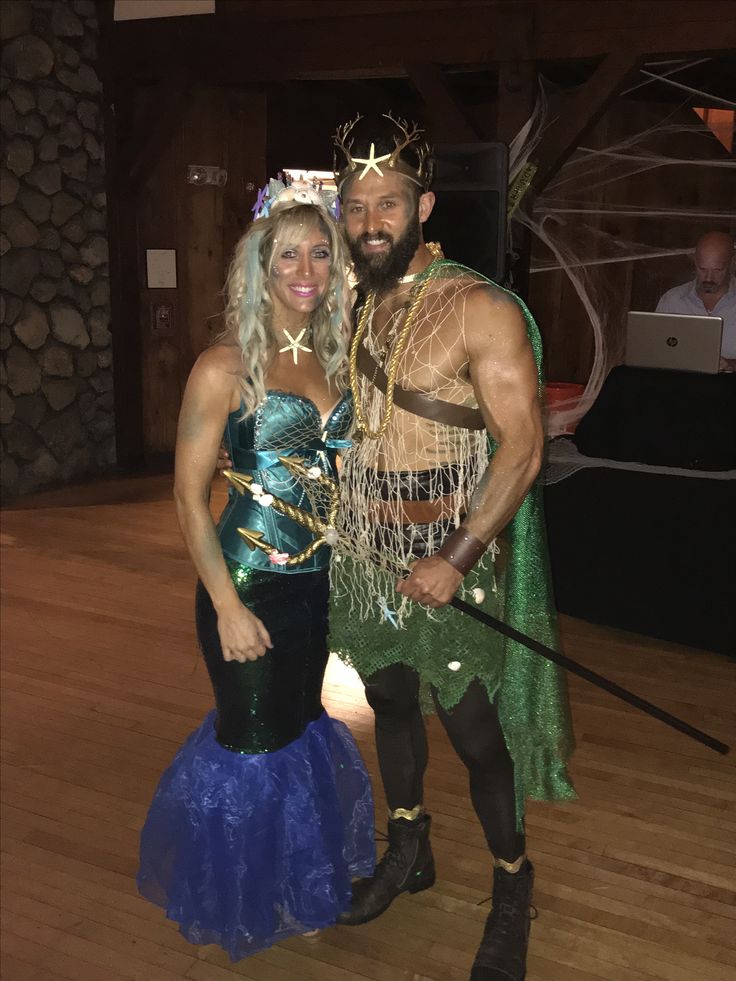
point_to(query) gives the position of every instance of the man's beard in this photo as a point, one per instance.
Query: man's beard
(381, 272)
(709, 287)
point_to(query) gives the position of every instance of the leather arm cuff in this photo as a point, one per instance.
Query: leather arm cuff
(462, 550)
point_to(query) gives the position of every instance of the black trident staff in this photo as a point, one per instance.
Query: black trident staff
(574, 667)
(327, 534)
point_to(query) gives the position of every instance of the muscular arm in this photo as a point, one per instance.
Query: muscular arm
(204, 411)
(504, 377)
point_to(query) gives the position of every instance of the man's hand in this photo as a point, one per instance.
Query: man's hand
(432, 582)
(727, 365)
(223, 460)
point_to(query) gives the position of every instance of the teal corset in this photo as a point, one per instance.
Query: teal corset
(283, 425)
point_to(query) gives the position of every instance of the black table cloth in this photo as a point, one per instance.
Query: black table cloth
(650, 552)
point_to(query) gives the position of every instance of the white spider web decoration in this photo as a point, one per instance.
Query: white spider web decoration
(566, 220)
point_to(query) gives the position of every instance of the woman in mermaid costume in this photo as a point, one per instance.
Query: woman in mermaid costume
(265, 814)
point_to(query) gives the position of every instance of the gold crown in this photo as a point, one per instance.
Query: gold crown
(408, 137)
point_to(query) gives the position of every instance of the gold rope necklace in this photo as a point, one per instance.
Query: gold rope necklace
(417, 295)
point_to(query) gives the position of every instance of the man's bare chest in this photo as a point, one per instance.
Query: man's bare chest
(429, 349)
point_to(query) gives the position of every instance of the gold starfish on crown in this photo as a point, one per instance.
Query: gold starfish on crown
(371, 162)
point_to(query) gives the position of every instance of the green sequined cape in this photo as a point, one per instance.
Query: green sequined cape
(531, 692)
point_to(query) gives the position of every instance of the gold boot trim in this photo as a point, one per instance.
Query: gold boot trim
(412, 815)
(512, 867)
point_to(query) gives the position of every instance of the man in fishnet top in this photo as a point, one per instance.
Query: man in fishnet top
(448, 492)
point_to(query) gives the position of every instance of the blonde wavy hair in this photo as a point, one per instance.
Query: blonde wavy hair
(249, 309)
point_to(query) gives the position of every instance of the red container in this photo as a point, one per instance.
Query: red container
(556, 393)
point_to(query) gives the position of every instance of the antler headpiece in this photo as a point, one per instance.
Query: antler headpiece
(406, 139)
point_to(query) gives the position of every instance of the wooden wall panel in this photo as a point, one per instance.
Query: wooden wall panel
(202, 258)
(202, 223)
(245, 159)
(159, 227)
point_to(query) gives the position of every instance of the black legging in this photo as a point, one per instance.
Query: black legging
(475, 732)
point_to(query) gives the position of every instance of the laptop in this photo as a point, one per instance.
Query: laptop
(673, 341)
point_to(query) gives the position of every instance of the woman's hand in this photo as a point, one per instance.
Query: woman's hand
(242, 635)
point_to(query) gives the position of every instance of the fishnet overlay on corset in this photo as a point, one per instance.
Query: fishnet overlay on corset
(305, 428)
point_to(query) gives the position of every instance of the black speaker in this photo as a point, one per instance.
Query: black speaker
(469, 216)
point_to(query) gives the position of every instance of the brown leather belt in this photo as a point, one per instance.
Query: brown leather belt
(413, 512)
(449, 414)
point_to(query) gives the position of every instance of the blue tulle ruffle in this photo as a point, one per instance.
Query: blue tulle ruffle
(244, 851)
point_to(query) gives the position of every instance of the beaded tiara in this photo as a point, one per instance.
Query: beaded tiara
(283, 190)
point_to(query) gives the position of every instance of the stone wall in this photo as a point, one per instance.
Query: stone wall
(56, 398)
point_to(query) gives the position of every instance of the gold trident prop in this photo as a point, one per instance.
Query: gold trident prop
(324, 531)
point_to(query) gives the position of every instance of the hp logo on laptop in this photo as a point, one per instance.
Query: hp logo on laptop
(672, 342)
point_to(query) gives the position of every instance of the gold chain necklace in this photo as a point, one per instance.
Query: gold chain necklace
(393, 366)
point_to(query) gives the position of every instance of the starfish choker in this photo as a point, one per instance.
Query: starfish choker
(294, 344)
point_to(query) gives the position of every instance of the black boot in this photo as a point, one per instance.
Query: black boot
(407, 866)
(502, 952)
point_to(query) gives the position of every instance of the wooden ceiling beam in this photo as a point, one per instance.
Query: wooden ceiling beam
(278, 11)
(518, 74)
(581, 112)
(449, 123)
(231, 50)
(167, 107)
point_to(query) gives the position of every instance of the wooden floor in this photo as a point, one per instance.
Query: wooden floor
(102, 682)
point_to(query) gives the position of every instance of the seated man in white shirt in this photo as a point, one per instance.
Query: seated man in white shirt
(712, 292)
